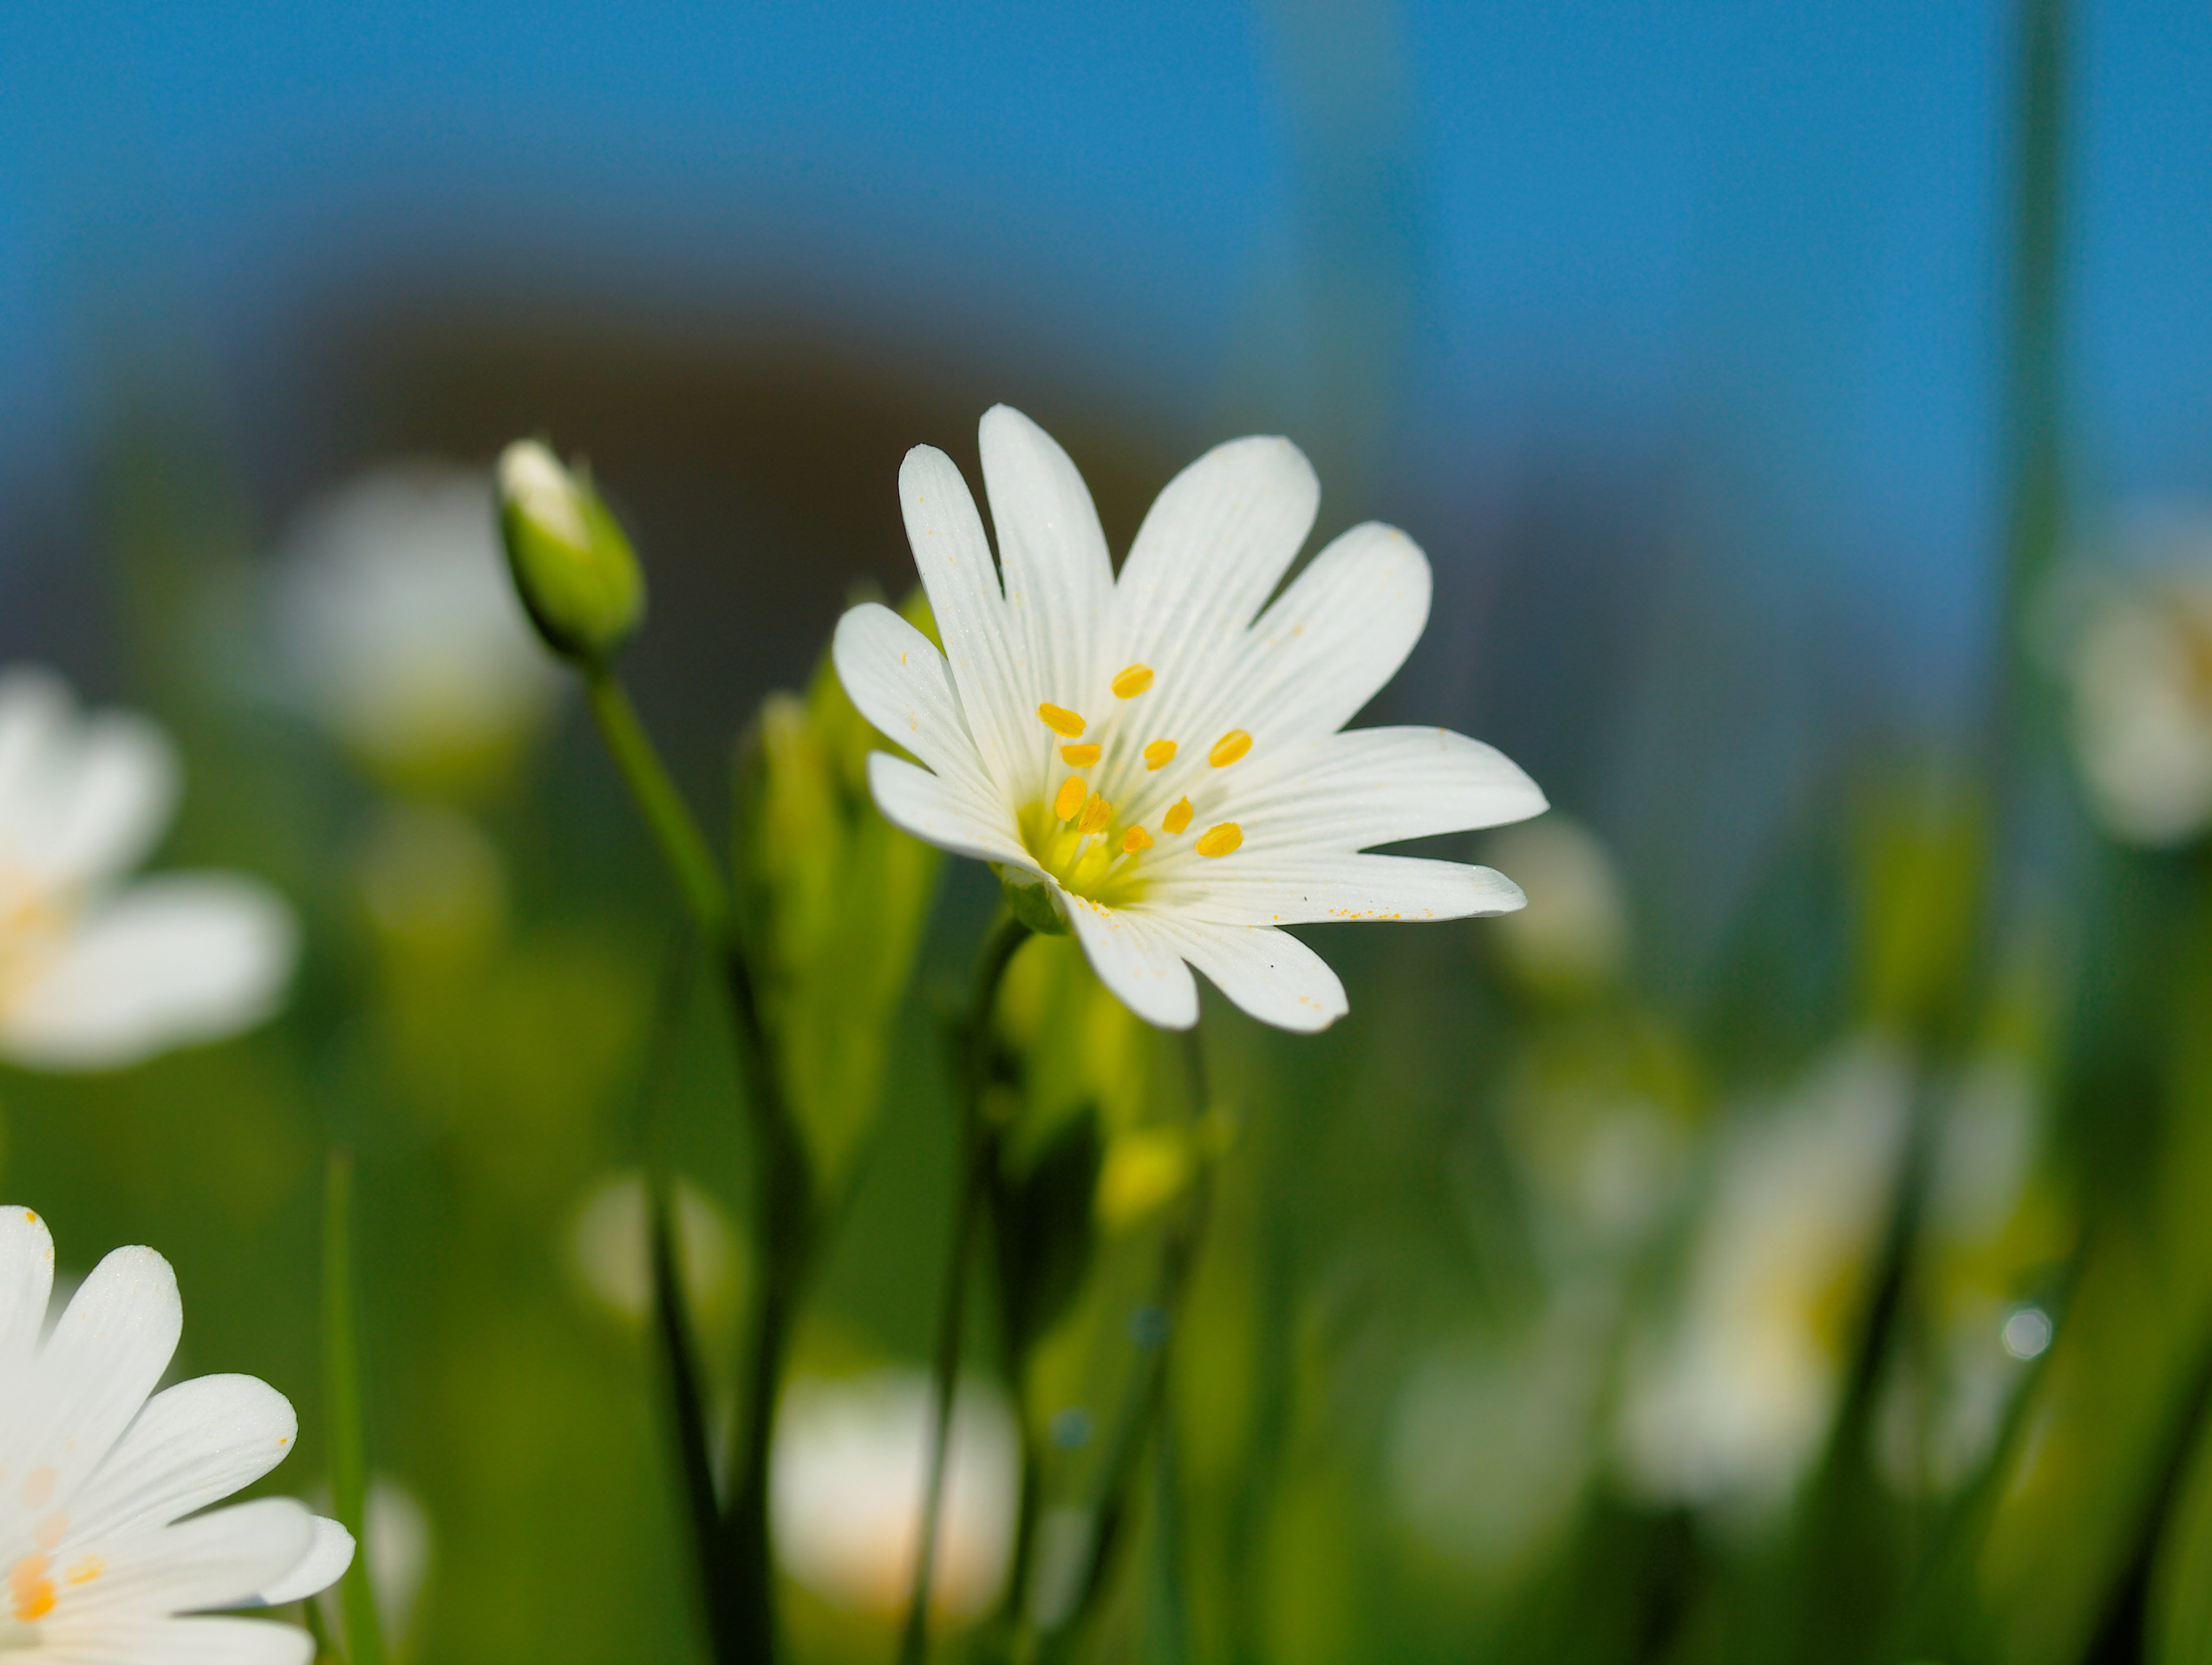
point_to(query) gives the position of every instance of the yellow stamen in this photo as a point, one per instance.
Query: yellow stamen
(32, 1590)
(1068, 725)
(1229, 747)
(1159, 754)
(1221, 840)
(1136, 838)
(1177, 818)
(1071, 794)
(1097, 814)
(84, 1572)
(1133, 681)
(1080, 757)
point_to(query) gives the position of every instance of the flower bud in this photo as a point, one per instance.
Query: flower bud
(573, 566)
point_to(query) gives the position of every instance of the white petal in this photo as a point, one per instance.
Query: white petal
(954, 559)
(218, 1560)
(1268, 973)
(81, 799)
(897, 679)
(27, 1281)
(1300, 889)
(178, 1642)
(1337, 635)
(329, 1552)
(109, 1349)
(1059, 577)
(1136, 960)
(937, 813)
(1215, 544)
(174, 960)
(1369, 786)
(194, 1444)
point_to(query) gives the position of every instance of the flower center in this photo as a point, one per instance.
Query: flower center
(34, 921)
(1092, 847)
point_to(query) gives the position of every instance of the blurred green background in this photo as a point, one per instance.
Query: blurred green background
(1787, 1240)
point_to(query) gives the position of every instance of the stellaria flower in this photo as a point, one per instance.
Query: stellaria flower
(107, 1557)
(1159, 754)
(399, 627)
(846, 1490)
(95, 973)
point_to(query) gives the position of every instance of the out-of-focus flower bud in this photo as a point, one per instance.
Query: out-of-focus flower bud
(573, 566)
(1573, 936)
(1146, 1169)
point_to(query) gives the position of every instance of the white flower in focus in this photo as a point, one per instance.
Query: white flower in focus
(400, 626)
(2142, 673)
(95, 973)
(845, 1483)
(108, 1557)
(1159, 754)
(1731, 1408)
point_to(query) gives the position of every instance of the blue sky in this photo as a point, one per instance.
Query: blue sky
(1777, 223)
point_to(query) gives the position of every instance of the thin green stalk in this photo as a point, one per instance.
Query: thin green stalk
(364, 1633)
(783, 1221)
(978, 1152)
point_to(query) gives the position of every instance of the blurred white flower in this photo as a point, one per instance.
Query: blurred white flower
(108, 1555)
(95, 973)
(432, 881)
(1731, 1406)
(1155, 758)
(612, 1252)
(1573, 934)
(846, 1490)
(399, 625)
(395, 1539)
(2139, 657)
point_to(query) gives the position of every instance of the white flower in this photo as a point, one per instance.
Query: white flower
(400, 625)
(2142, 672)
(846, 1485)
(95, 973)
(107, 1555)
(1170, 769)
(611, 1250)
(1731, 1408)
(1574, 937)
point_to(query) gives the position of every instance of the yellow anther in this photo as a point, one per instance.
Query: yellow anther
(1136, 838)
(1133, 681)
(1069, 725)
(84, 1572)
(1072, 791)
(1221, 840)
(1229, 747)
(1177, 818)
(1080, 757)
(32, 1590)
(1097, 815)
(1159, 754)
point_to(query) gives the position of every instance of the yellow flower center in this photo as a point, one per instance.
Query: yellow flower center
(1079, 837)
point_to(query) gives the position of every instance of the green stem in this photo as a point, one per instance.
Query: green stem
(741, 1592)
(364, 1633)
(978, 1153)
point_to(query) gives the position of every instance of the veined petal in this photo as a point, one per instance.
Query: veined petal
(177, 1642)
(174, 960)
(897, 679)
(1138, 961)
(81, 799)
(217, 1561)
(1336, 636)
(329, 1552)
(194, 1444)
(27, 1282)
(1268, 973)
(997, 694)
(107, 1353)
(1059, 577)
(1215, 544)
(937, 812)
(1307, 888)
(1368, 786)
